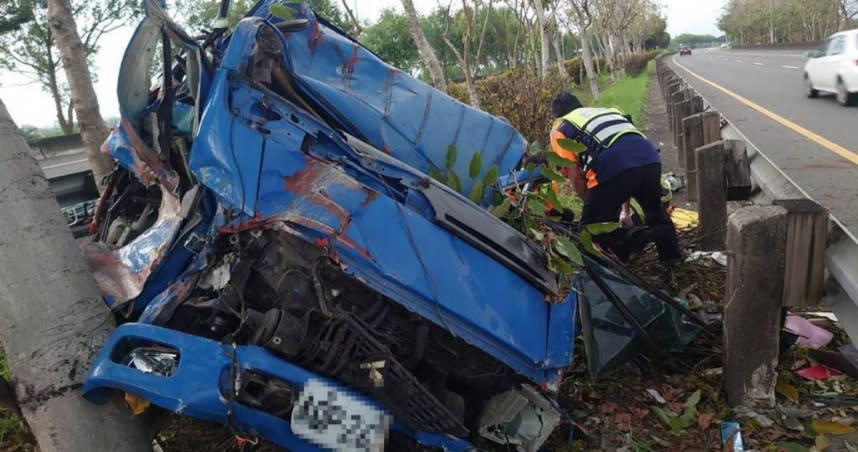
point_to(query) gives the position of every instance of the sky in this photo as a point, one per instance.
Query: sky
(29, 105)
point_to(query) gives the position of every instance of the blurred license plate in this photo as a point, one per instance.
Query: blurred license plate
(334, 418)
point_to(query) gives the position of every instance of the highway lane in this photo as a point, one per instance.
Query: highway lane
(814, 141)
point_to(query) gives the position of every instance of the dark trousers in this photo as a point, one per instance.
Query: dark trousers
(603, 202)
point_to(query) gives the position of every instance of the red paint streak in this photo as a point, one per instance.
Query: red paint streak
(370, 197)
(387, 149)
(147, 163)
(315, 34)
(321, 243)
(349, 66)
(304, 183)
(328, 231)
(257, 222)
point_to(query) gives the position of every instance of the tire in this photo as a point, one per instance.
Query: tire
(809, 91)
(844, 97)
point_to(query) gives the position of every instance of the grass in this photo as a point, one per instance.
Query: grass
(629, 94)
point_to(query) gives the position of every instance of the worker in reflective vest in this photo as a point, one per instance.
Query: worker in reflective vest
(615, 162)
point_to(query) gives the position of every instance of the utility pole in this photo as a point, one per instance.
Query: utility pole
(52, 318)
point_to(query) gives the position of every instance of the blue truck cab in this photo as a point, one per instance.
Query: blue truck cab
(284, 264)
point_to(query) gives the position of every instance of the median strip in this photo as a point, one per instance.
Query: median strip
(810, 135)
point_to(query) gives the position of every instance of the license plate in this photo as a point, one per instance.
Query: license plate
(333, 418)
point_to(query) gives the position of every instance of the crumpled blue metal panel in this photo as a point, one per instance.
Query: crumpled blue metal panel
(202, 379)
(390, 109)
(312, 184)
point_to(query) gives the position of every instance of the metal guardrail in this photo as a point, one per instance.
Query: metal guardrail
(841, 254)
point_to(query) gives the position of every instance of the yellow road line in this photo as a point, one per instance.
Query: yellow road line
(810, 135)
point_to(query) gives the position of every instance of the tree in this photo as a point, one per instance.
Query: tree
(199, 15)
(464, 57)
(543, 37)
(426, 50)
(14, 13)
(30, 49)
(389, 37)
(74, 58)
(582, 16)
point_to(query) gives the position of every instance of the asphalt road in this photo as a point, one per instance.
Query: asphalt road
(817, 148)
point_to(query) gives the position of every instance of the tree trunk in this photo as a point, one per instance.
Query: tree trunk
(543, 38)
(83, 98)
(52, 318)
(427, 53)
(588, 67)
(558, 50)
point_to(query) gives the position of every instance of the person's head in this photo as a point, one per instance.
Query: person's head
(563, 103)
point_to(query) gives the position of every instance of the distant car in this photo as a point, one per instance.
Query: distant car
(685, 51)
(833, 68)
(724, 45)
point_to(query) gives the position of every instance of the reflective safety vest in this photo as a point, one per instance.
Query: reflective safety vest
(602, 125)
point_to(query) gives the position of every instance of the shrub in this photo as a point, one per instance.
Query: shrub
(636, 63)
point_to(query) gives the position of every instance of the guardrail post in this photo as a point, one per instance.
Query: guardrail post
(806, 234)
(755, 243)
(686, 108)
(711, 196)
(676, 116)
(710, 132)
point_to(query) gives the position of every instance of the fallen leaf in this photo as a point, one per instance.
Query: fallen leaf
(821, 443)
(849, 447)
(641, 413)
(831, 428)
(608, 407)
(789, 446)
(704, 420)
(787, 390)
(136, 403)
(623, 421)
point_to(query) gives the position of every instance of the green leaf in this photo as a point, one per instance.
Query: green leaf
(636, 208)
(454, 182)
(567, 248)
(555, 160)
(436, 174)
(451, 156)
(662, 415)
(281, 11)
(503, 208)
(587, 242)
(693, 400)
(551, 174)
(559, 266)
(476, 192)
(571, 145)
(491, 176)
(536, 206)
(602, 228)
(538, 236)
(551, 197)
(790, 446)
(476, 165)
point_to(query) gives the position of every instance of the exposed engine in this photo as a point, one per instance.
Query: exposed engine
(271, 289)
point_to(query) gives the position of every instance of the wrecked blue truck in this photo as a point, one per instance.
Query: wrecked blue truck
(281, 263)
(290, 269)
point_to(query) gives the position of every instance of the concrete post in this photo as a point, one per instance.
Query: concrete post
(692, 138)
(52, 318)
(711, 196)
(711, 132)
(755, 240)
(691, 105)
(806, 236)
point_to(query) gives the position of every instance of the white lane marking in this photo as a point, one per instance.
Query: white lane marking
(790, 67)
(65, 164)
(759, 64)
